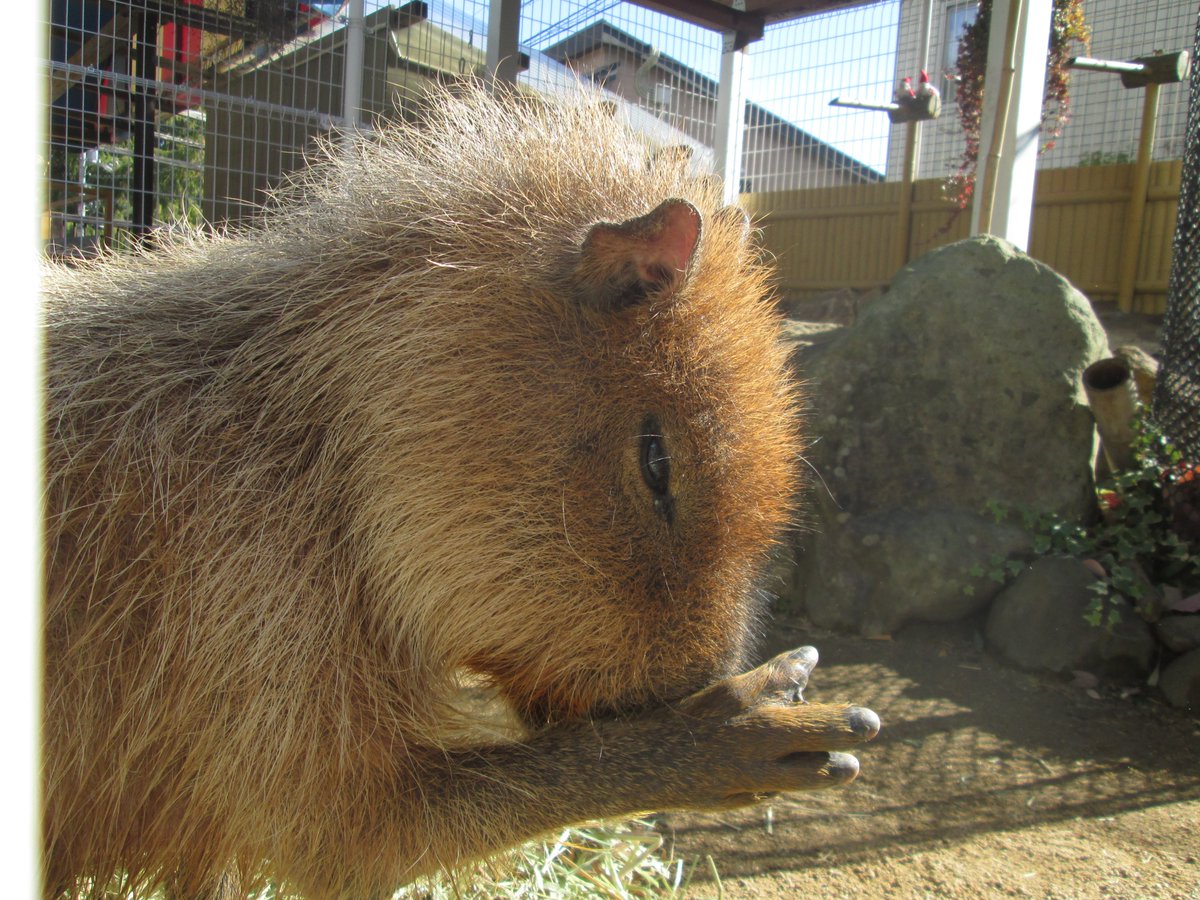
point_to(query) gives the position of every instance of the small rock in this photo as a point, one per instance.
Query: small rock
(1179, 633)
(1180, 681)
(1037, 622)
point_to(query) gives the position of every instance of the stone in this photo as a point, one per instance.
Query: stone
(958, 387)
(1038, 622)
(1179, 633)
(878, 572)
(1180, 681)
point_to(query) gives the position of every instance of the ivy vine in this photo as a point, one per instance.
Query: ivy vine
(1068, 33)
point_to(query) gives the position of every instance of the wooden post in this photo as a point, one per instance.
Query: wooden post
(904, 232)
(1131, 248)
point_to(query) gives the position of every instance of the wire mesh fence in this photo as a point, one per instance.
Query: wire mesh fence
(797, 70)
(180, 112)
(1177, 392)
(1103, 117)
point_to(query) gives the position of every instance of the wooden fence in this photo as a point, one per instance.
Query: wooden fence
(830, 239)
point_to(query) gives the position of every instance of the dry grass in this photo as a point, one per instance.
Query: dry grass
(613, 860)
(604, 859)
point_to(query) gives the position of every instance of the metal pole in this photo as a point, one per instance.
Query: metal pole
(926, 29)
(352, 76)
(731, 116)
(1132, 246)
(923, 59)
(145, 113)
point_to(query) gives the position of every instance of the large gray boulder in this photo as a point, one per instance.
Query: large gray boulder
(960, 386)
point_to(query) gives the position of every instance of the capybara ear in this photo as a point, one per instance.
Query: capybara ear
(622, 264)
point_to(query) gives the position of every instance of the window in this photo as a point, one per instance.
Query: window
(602, 76)
(958, 17)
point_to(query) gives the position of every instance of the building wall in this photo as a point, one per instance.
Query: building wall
(1105, 117)
(773, 164)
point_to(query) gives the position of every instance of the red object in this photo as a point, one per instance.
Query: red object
(179, 48)
(926, 88)
(1181, 491)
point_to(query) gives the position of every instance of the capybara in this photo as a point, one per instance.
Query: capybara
(498, 395)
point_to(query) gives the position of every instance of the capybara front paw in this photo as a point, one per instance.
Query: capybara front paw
(766, 738)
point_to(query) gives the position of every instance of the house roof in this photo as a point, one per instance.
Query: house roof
(603, 33)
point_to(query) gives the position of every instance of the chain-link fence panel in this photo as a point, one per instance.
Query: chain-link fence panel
(1177, 394)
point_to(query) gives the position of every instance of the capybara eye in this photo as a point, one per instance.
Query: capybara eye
(656, 465)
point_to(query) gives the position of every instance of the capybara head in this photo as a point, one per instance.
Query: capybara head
(606, 432)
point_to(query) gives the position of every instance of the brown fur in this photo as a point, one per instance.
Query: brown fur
(300, 477)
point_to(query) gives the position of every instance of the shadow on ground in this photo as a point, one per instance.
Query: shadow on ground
(976, 761)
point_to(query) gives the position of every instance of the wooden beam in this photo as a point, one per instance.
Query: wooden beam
(210, 20)
(714, 16)
(717, 16)
(781, 10)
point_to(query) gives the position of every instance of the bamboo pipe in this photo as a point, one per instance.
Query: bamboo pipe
(1113, 400)
(1132, 245)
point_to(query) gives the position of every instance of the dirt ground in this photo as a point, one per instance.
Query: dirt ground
(984, 782)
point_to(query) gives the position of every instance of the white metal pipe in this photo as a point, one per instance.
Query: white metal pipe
(1104, 65)
(926, 29)
(731, 117)
(912, 139)
(864, 104)
(353, 74)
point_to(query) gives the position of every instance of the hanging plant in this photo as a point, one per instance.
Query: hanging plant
(1068, 33)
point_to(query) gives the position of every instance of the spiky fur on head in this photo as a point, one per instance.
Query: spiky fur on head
(301, 475)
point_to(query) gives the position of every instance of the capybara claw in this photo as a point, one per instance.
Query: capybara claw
(842, 768)
(790, 672)
(806, 656)
(864, 723)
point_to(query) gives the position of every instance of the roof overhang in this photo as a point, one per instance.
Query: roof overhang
(746, 24)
